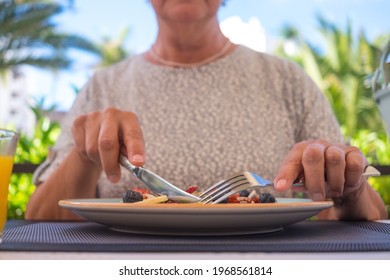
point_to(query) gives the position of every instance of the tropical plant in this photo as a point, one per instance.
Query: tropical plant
(31, 149)
(342, 69)
(112, 49)
(29, 36)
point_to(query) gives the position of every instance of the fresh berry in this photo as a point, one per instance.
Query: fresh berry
(141, 190)
(234, 198)
(131, 196)
(244, 193)
(191, 189)
(267, 198)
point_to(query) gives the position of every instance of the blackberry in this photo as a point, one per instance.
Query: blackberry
(244, 193)
(267, 198)
(132, 196)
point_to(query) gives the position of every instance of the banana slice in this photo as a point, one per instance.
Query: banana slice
(154, 200)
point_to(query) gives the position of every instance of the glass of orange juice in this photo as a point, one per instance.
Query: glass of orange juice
(8, 142)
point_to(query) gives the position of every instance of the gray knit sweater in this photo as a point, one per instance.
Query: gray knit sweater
(242, 112)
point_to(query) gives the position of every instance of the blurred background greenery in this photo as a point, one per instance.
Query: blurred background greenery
(342, 70)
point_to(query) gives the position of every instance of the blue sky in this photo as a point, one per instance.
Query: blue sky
(95, 19)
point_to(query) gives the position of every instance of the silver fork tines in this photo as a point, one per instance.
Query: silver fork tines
(242, 181)
(226, 188)
(245, 180)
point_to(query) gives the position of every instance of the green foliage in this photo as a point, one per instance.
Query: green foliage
(30, 36)
(376, 147)
(32, 149)
(382, 186)
(112, 49)
(342, 70)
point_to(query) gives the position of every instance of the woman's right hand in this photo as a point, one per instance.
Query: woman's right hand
(100, 136)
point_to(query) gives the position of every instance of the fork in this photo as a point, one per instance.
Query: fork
(213, 195)
(242, 181)
(238, 182)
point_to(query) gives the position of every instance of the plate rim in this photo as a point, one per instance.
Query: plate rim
(110, 205)
(102, 213)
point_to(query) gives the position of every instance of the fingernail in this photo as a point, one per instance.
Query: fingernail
(137, 158)
(113, 178)
(281, 185)
(317, 197)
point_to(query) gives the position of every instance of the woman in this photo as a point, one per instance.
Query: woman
(203, 109)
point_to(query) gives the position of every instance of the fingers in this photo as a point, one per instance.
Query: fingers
(329, 170)
(356, 164)
(85, 132)
(313, 162)
(290, 169)
(108, 145)
(78, 133)
(133, 140)
(335, 165)
(100, 136)
(92, 128)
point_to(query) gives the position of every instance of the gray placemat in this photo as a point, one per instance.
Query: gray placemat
(306, 236)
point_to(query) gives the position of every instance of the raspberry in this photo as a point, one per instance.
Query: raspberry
(234, 198)
(191, 189)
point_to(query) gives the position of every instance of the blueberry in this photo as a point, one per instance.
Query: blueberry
(132, 196)
(244, 193)
(267, 198)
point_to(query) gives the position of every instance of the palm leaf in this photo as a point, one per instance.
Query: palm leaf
(29, 36)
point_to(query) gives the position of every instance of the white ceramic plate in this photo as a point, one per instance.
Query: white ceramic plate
(195, 219)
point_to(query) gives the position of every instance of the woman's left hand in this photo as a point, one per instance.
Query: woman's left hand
(328, 170)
